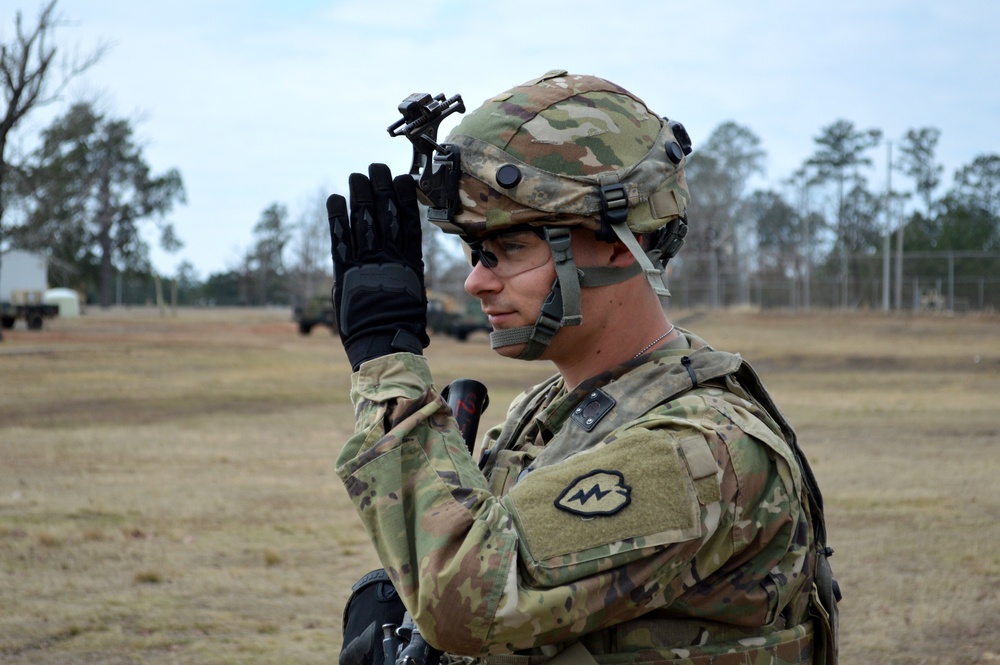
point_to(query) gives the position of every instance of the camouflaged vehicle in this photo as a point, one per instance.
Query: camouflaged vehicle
(444, 316)
(317, 312)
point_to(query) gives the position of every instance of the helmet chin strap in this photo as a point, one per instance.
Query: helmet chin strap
(562, 305)
(653, 274)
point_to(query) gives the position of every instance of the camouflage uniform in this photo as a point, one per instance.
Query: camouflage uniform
(655, 513)
(658, 512)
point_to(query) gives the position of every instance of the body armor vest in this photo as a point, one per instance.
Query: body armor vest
(666, 376)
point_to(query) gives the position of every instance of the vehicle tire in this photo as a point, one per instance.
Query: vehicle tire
(305, 327)
(7, 322)
(35, 321)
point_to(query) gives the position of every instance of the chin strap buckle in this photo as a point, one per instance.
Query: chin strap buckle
(614, 210)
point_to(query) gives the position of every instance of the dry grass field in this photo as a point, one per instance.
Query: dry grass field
(167, 492)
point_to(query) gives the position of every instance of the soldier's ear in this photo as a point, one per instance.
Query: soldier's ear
(621, 256)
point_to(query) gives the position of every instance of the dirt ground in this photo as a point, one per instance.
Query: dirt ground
(167, 492)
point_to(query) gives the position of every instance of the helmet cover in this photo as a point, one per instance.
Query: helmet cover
(559, 139)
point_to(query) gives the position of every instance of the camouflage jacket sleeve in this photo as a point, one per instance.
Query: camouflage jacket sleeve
(488, 574)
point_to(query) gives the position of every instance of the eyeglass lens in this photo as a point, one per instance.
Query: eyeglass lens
(509, 254)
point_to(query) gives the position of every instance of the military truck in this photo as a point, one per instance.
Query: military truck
(444, 316)
(32, 311)
(317, 312)
(23, 281)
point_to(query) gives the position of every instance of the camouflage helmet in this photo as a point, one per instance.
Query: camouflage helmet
(568, 150)
(558, 152)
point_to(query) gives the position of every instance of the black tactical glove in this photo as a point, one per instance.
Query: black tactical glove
(378, 295)
(373, 604)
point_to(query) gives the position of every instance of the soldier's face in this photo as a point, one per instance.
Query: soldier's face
(514, 300)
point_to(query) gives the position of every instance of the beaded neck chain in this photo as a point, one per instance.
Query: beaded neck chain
(654, 342)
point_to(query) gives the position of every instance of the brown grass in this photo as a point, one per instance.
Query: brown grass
(167, 492)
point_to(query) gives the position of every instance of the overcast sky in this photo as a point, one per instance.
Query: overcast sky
(260, 101)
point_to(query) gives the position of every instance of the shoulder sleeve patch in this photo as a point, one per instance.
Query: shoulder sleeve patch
(607, 502)
(596, 494)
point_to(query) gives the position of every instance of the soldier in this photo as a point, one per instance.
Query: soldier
(649, 502)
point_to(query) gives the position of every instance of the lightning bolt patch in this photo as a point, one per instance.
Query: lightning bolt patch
(598, 493)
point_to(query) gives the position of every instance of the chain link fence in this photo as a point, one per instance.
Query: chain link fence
(945, 281)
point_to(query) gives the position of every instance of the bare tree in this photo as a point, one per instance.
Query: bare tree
(309, 272)
(719, 172)
(266, 258)
(27, 65)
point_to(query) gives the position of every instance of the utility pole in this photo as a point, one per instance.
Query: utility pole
(899, 267)
(887, 245)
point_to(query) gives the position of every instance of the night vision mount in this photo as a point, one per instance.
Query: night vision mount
(436, 167)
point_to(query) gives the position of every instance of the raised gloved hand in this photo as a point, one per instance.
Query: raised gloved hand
(378, 295)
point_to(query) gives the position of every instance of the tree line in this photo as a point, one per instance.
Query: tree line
(826, 220)
(81, 194)
(288, 262)
(84, 194)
